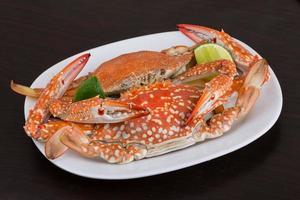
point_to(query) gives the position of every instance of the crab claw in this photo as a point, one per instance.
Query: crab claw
(201, 34)
(210, 99)
(53, 131)
(96, 110)
(198, 34)
(53, 147)
(73, 138)
(255, 78)
(54, 90)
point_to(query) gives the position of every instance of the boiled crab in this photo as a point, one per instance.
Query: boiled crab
(155, 118)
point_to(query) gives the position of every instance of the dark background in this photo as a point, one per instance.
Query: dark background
(36, 34)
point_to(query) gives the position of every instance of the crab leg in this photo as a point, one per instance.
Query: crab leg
(223, 72)
(55, 89)
(207, 70)
(248, 94)
(199, 34)
(210, 98)
(96, 110)
(218, 90)
(112, 152)
(217, 125)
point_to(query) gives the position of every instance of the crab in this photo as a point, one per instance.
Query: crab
(142, 68)
(157, 112)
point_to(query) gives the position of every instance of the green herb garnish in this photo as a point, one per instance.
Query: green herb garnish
(89, 88)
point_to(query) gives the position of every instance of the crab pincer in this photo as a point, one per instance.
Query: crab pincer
(54, 90)
(200, 34)
(97, 110)
(257, 76)
(54, 129)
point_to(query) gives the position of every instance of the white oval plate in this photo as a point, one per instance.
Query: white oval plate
(259, 121)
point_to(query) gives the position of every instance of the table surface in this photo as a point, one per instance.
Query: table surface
(38, 34)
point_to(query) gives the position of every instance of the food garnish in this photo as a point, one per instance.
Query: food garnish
(210, 52)
(88, 89)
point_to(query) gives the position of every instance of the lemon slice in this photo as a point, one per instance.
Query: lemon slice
(88, 89)
(210, 52)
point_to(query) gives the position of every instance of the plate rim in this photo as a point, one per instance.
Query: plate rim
(167, 169)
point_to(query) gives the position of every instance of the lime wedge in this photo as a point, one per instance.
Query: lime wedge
(210, 52)
(88, 89)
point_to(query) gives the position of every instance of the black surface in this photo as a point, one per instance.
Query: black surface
(37, 34)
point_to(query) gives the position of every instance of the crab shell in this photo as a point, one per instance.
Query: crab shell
(141, 68)
(169, 107)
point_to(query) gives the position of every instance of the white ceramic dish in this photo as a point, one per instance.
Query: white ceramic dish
(259, 121)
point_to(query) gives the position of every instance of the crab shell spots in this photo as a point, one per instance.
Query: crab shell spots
(80, 111)
(236, 48)
(219, 84)
(112, 152)
(48, 129)
(52, 126)
(143, 67)
(164, 123)
(220, 123)
(40, 111)
(60, 106)
(107, 133)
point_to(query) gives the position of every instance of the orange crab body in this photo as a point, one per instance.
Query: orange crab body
(141, 68)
